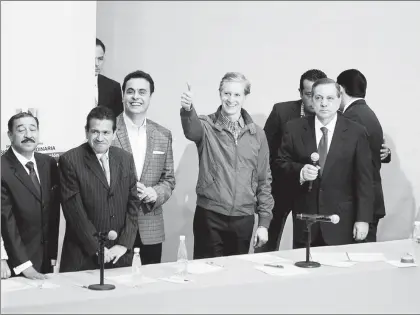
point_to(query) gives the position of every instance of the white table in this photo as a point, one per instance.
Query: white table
(375, 287)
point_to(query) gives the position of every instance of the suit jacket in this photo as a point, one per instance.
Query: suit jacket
(361, 113)
(158, 172)
(281, 113)
(90, 205)
(30, 222)
(109, 94)
(346, 186)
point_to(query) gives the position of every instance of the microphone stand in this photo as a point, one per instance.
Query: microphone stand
(307, 263)
(101, 286)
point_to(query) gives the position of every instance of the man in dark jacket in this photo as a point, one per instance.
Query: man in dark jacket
(234, 173)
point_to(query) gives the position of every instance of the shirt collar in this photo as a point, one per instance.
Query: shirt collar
(226, 121)
(23, 160)
(351, 102)
(98, 156)
(130, 124)
(330, 126)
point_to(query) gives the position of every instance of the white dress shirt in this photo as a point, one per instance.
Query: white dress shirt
(96, 92)
(318, 135)
(3, 251)
(138, 141)
(351, 102)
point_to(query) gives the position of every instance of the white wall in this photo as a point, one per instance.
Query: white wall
(272, 43)
(48, 63)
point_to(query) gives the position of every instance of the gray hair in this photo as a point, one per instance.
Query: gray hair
(324, 81)
(235, 77)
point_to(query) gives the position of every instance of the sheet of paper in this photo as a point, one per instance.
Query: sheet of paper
(176, 279)
(262, 258)
(287, 270)
(339, 259)
(366, 257)
(131, 280)
(197, 268)
(399, 264)
(80, 279)
(9, 285)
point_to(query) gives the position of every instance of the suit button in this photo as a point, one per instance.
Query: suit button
(112, 216)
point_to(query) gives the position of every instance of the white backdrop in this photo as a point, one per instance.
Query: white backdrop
(47, 63)
(272, 43)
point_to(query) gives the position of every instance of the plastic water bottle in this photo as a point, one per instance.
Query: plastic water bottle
(416, 241)
(136, 265)
(182, 259)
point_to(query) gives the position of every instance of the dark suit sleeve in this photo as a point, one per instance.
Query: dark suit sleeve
(73, 208)
(166, 183)
(54, 208)
(285, 162)
(12, 241)
(129, 231)
(363, 180)
(272, 130)
(118, 106)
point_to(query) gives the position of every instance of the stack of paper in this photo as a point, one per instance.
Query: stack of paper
(399, 264)
(339, 259)
(287, 270)
(10, 285)
(366, 257)
(176, 279)
(131, 280)
(262, 258)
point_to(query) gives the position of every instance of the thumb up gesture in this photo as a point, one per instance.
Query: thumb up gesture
(186, 98)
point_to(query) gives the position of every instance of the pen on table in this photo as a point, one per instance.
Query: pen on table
(274, 265)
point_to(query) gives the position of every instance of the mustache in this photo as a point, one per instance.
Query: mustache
(28, 140)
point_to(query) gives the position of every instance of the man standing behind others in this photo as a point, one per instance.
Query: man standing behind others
(234, 173)
(151, 146)
(107, 91)
(98, 189)
(342, 184)
(353, 91)
(281, 187)
(30, 201)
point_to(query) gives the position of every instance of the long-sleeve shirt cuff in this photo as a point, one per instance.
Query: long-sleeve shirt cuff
(301, 176)
(22, 267)
(3, 252)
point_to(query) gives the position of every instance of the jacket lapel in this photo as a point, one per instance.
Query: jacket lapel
(21, 173)
(336, 145)
(122, 134)
(150, 130)
(93, 164)
(308, 137)
(43, 174)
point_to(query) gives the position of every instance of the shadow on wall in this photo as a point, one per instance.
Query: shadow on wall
(400, 203)
(180, 208)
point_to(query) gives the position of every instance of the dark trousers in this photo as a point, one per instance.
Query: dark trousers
(275, 230)
(318, 241)
(218, 235)
(149, 254)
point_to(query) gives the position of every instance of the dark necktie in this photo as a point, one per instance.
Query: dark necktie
(323, 148)
(34, 178)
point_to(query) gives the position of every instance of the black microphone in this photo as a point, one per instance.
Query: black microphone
(315, 159)
(334, 219)
(102, 238)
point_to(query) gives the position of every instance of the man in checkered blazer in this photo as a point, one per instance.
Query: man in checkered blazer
(151, 146)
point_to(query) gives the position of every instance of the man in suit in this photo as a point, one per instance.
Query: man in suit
(107, 91)
(353, 91)
(5, 270)
(98, 191)
(30, 205)
(281, 189)
(344, 185)
(151, 146)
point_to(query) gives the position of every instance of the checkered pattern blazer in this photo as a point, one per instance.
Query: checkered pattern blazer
(158, 172)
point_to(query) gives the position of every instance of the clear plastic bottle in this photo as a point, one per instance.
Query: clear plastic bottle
(182, 259)
(136, 265)
(416, 241)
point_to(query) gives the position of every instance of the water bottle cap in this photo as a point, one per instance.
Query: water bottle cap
(182, 237)
(136, 250)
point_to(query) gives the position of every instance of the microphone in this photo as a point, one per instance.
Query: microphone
(334, 219)
(102, 238)
(315, 159)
